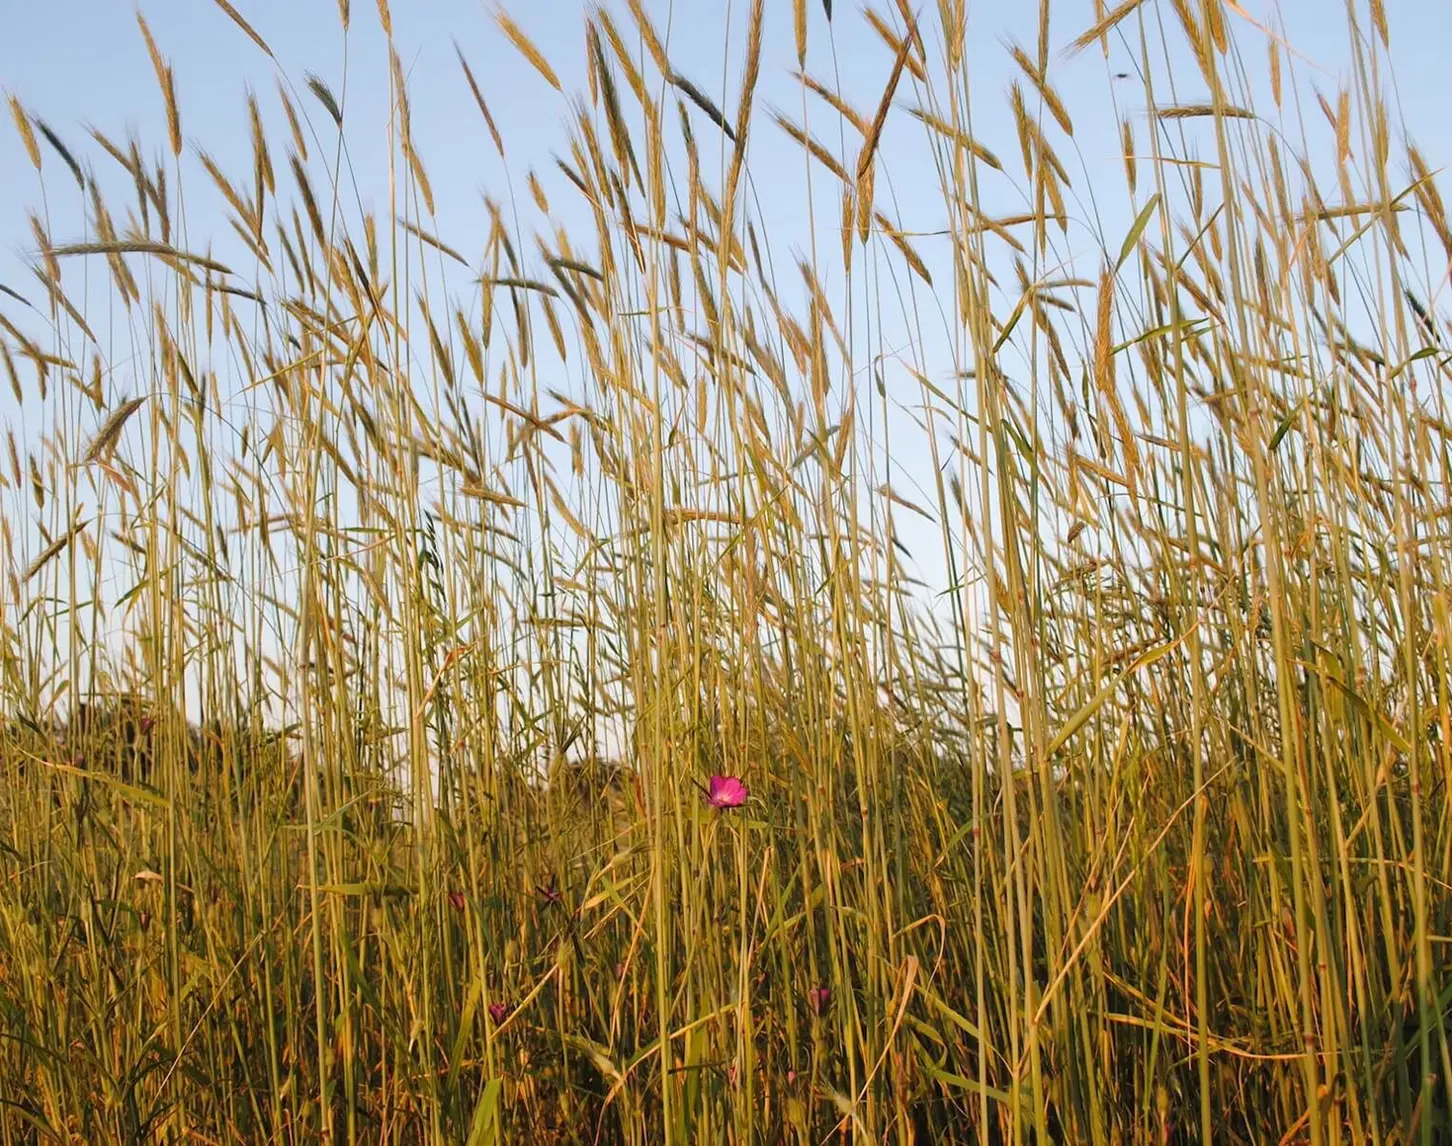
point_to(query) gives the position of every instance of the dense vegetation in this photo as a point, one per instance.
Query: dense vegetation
(364, 682)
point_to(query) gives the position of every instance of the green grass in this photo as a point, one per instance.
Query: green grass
(404, 664)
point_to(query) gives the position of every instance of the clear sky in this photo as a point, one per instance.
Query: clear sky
(81, 63)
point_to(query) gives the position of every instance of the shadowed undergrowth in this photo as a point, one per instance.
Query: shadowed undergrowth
(365, 672)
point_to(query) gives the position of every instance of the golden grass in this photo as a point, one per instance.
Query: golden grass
(1139, 833)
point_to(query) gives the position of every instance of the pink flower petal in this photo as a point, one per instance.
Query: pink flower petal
(726, 792)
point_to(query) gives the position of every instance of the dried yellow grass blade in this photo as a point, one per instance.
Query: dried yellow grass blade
(482, 493)
(405, 126)
(59, 296)
(299, 141)
(899, 240)
(704, 102)
(752, 75)
(962, 138)
(623, 57)
(1046, 92)
(524, 415)
(251, 32)
(615, 117)
(110, 431)
(479, 99)
(438, 244)
(1101, 30)
(522, 284)
(576, 266)
(835, 102)
(53, 550)
(1201, 110)
(673, 515)
(813, 148)
(325, 97)
(1131, 168)
(1104, 472)
(27, 135)
(168, 86)
(648, 34)
(910, 21)
(526, 48)
(1343, 126)
(563, 509)
(1215, 25)
(140, 247)
(1351, 210)
(1103, 334)
(897, 499)
(894, 42)
(874, 137)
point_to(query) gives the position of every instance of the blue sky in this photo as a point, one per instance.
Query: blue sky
(81, 63)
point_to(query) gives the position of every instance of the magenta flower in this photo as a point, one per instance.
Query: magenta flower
(820, 998)
(549, 892)
(726, 792)
(456, 900)
(498, 1012)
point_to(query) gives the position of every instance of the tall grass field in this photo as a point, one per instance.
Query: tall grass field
(837, 602)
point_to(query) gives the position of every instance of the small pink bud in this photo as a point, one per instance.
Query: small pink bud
(498, 1012)
(456, 900)
(820, 998)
